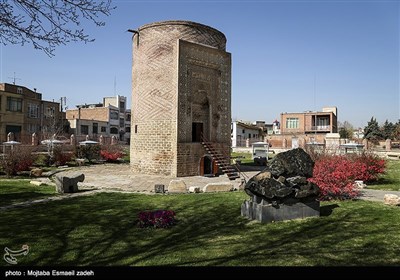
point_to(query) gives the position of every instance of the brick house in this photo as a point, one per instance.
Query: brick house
(23, 112)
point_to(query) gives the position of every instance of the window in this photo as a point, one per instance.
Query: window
(128, 129)
(114, 115)
(113, 130)
(33, 111)
(103, 129)
(292, 123)
(136, 128)
(243, 131)
(128, 118)
(122, 106)
(95, 128)
(50, 112)
(14, 104)
(323, 121)
(121, 122)
(19, 90)
(32, 128)
(197, 131)
(85, 129)
(249, 135)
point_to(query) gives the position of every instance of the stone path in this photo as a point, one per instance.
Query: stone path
(118, 178)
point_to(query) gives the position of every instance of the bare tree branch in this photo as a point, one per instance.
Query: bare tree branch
(47, 24)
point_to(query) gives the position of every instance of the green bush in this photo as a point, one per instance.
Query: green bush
(89, 152)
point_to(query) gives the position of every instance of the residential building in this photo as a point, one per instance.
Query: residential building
(298, 129)
(110, 118)
(23, 112)
(310, 122)
(244, 134)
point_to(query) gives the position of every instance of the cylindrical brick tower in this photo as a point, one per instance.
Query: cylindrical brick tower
(170, 59)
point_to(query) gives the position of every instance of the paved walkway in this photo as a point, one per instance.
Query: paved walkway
(119, 178)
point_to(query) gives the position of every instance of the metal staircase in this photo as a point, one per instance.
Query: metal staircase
(221, 160)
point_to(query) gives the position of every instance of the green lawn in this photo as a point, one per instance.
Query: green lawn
(101, 230)
(18, 190)
(389, 181)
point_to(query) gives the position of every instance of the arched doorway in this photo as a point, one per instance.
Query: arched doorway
(208, 166)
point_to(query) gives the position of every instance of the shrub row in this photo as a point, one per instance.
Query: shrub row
(21, 158)
(335, 174)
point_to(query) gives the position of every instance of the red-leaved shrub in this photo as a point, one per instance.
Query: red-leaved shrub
(110, 156)
(111, 153)
(335, 175)
(16, 160)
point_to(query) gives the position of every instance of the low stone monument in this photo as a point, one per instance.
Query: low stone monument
(282, 191)
(68, 184)
(391, 199)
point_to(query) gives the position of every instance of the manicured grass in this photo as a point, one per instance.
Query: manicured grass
(390, 180)
(244, 157)
(15, 190)
(101, 230)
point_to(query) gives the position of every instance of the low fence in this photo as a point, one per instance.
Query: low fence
(71, 139)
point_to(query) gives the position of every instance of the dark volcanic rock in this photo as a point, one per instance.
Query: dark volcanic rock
(268, 188)
(295, 162)
(285, 178)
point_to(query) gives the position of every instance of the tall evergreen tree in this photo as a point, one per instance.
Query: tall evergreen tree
(372, 131)
(388, 130)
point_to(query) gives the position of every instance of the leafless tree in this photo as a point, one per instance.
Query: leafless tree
(49, 23)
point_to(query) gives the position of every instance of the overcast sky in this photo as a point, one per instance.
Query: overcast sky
(287, 56)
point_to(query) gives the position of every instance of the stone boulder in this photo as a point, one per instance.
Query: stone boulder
(391, 199)
(295, 162)
(285, 178)
(282, 191)
(36, 172)
(177, 186)
(68, 184)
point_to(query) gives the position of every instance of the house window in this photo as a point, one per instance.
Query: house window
(128, 129)
(114, 115)
(14, 104)
(33, 111)
(50, 112)
(95, 128)
(197, 131)
(243, 131)
(249, 135)
(128, 117)
(135, 128)
(292, 123)
(114, 130)
(85, 129)
(19, 90)
(32, 128)
(121, 122)
(323, 123)
(122, 106)
(103, 129)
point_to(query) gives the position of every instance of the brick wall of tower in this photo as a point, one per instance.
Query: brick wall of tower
(155, 121)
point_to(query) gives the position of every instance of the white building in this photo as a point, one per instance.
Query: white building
(243, 134)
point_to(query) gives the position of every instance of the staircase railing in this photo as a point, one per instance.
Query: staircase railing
(226, 156)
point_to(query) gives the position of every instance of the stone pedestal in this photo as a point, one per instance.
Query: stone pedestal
(265, 212)
(68, 184)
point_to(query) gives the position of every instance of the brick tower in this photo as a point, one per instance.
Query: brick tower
(181, 97)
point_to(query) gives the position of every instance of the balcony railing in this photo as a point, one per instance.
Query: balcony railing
(318, 128)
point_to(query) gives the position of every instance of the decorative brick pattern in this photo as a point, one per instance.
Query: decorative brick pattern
(181, 74)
